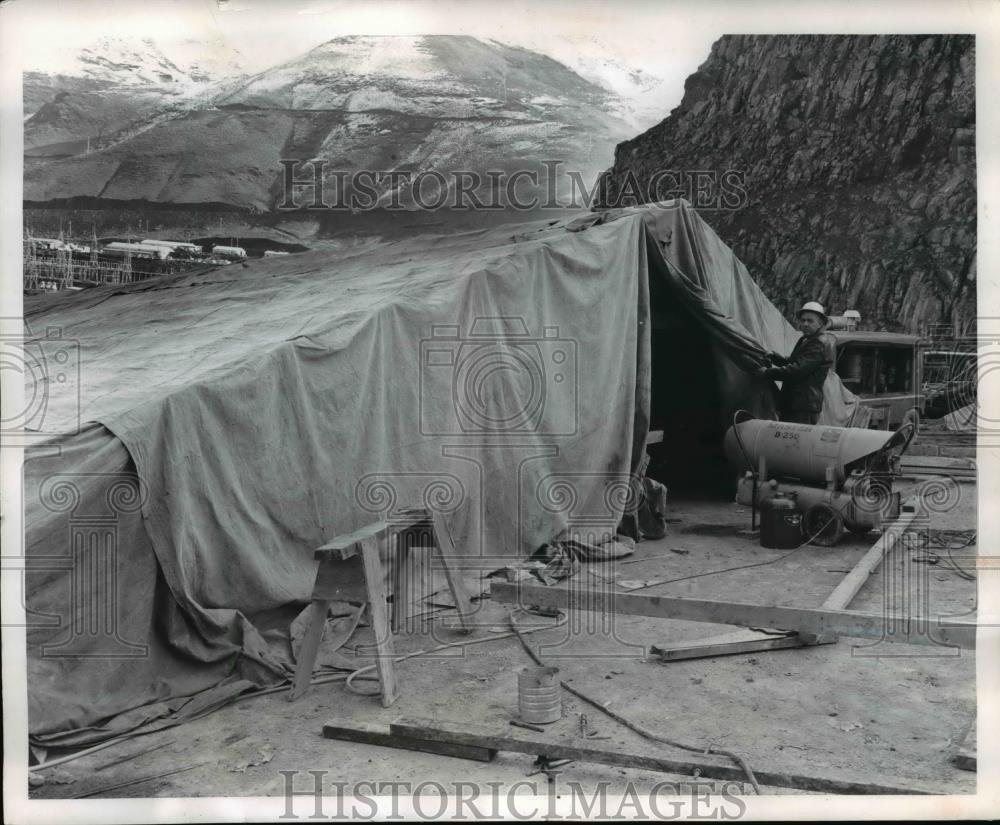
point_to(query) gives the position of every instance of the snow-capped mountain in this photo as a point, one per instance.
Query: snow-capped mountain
(643, 99)
(96, 91)
(453, 75)
(442, 103)
(149, 62)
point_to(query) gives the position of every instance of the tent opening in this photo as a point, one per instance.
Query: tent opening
(685, 402)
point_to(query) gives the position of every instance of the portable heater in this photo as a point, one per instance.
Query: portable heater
(840, 477)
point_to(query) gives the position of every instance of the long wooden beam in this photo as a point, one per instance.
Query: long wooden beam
(849, 586)
(372, 733)
(479, 736)
(821, 622)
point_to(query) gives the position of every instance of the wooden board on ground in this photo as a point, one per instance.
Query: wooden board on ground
(727, 644)
(965, 757)
(921, 630)
(678, 762)
(369, 733)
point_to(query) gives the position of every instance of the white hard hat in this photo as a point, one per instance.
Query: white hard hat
(813, 306)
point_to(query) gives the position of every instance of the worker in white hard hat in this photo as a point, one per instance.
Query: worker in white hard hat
(803, 372)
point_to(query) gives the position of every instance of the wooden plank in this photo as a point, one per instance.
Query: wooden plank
(684, 763)
(328, 553)
(405, 518)
(852, 583)
(728, 644)
(349, 540)
(373, 734)
(905, 629)
(309, 648)
(937, 461)
(384, 650)
(849, 586)
(923, 476)
(965, 758)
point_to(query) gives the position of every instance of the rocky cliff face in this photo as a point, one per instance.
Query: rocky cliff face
(852, 170)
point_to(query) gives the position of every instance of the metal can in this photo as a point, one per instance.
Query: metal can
(539, 695)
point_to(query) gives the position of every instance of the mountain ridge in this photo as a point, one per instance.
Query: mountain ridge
(364, 102)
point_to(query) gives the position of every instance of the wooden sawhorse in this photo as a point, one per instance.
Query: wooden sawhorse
(350, 569)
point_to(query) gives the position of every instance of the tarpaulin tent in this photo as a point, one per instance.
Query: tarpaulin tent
(222, 425)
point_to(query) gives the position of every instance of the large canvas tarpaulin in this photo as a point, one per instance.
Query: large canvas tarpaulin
(245, 415)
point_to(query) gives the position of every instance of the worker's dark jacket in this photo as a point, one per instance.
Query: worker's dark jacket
(802, 375)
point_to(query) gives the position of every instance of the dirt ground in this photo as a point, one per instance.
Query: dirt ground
(889, 714)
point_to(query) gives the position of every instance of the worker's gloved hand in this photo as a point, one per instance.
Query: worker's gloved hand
(760, 372)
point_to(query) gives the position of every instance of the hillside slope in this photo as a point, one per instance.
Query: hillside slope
(382, 103)
(859, 160)
(104, 88)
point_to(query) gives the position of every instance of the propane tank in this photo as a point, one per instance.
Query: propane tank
(805, 451)
(780, 522)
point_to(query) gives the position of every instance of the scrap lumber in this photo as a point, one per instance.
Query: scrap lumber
(896, 629)
(938, 465)
(686, 764)
(727, 644)
(965, 758)
(369, 733)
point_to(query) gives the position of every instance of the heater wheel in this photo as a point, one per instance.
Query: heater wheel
(823, 525)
